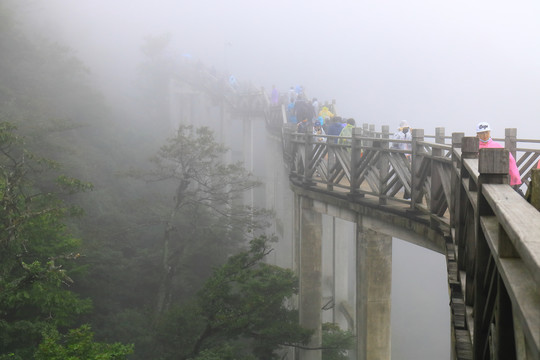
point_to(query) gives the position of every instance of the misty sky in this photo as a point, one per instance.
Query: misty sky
(433, 63)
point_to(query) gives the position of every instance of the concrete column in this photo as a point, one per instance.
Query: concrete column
(310, 276)
(328, 273)
(344, 276)
(374, 284)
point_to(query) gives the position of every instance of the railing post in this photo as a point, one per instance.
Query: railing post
(465, 232)
(330, 163)
(416, 162)
(308, 156)
(436, 181)
(469, 151)
(533, 192)
(371, 135)
(456, 166)
(510, 140)
(384, 164)
(365, 128)
(283, 116)
(492, 169)
(356, 150)
(288, 146)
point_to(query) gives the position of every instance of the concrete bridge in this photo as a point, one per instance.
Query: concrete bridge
(461, 206)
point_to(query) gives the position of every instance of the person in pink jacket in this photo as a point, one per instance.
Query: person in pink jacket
(483, 132)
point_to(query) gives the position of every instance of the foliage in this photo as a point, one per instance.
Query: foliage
(36, 256)
(205, 221)
(241, 312)
(194, 160)
(78, 344)
(225, 352)
(336, 342)
(47, 92)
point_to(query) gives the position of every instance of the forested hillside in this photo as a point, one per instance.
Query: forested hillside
(120, 237)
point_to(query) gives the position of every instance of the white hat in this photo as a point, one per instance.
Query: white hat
(483, 126)
(403, 123)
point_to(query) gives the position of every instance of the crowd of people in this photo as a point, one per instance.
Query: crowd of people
(308, 114)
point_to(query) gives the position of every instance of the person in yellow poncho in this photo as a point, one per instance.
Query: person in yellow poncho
(325, 113)
(347, 132)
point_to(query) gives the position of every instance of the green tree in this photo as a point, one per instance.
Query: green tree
(241, 312)
(79, 344)
(37, 253)
(336, 342)
(48, 93)
(206, 220)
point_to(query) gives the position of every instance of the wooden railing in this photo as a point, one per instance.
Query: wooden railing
(497, 234)
(493, 246)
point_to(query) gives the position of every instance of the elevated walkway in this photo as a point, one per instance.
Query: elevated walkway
(460, 205)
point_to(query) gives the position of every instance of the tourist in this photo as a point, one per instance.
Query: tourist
(483, 133)
(303, 110)
(274, 97)
(334, 128)
(292, 94)
(403, 133)
(347, 132)
(318, 130)
(326, 113)
(291, 115)
(302, 126)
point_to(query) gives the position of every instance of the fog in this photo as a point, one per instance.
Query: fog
(449, 64)
(432, 63)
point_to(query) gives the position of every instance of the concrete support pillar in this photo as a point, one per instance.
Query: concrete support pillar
(310, 276)
(344, 276)
(374, 284)
(328, 273)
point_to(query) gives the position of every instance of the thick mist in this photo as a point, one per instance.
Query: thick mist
(449, 64)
